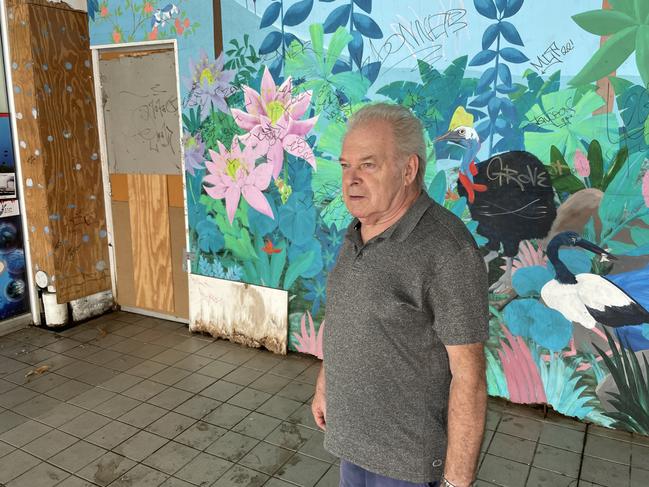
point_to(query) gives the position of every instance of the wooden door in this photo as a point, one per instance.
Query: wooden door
(139, 90)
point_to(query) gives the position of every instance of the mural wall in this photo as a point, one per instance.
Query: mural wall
(536, 117)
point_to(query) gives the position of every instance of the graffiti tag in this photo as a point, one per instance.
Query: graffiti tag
(553, 55)
(498, 170)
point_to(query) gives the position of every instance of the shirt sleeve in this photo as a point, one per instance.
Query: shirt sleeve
(458, 296)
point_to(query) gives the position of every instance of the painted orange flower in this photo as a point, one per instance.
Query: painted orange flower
(153, 35)
(186, 22)
(117, 36)
(179, 27)
(148, 8)
(104, 11)
(269, 249)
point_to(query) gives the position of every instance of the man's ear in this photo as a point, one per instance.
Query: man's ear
(412, 166)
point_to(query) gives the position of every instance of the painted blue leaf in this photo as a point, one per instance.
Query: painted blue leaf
(367, 26)
(297, 218)
(270, 14)
(371, 71)
(210, 240)
(510, 33)
(576, 260)
(483, 57)
(550, 328)
(513, 55)
(458, 207)
(340, 67)
(501, 5)
(513, 6)
(270, 43)
(298, 12)
(327, 1)
(93, 6)
(261, 224)
(482, 100)
(437, 187)
(289, 38)
(505, 74)
(517, 315)
(296, 251)
(486, 8)
(355, 48)
(483, 129)
(508, 109)
(486, 79)
(489, 36)
(365, 5)
(493, 107)
(505, 90)
(276, 68)
(528, 281)
(337, 18)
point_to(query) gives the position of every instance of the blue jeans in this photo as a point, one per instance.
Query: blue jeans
(352, 475)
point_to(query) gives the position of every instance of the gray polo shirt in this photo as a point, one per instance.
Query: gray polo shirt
(393, 304)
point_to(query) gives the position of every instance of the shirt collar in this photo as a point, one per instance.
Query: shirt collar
(401, 229)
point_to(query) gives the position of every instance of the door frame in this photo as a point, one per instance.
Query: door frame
(101, 128)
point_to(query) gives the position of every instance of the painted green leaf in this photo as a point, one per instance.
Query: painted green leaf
(618, 162)
(608, 58)
(297, 267)
(641, 10)
(596, 163)
(338, 42)
(352, 84)
(567, 122)
(625, 6)
(646, 130)
(642, 53)
(603, 22)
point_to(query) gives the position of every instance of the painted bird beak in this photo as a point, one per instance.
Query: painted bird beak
(451, 136)
(605, 255)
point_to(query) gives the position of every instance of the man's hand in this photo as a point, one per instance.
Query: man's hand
(319, 404)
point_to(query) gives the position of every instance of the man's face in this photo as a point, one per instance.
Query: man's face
(373, 178)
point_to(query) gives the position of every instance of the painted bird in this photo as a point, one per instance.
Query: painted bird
(589, 299)
(510, 195)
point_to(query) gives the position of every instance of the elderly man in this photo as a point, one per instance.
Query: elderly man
(401, 394)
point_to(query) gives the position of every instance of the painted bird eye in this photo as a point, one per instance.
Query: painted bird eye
(461, 131)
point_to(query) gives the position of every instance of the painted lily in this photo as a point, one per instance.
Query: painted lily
(194, 152)
(273, 121)
(209, 84)
(233, 173)
(645, 188)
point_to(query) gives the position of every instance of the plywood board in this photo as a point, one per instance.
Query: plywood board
(125, 295)
(119, 187)
(141, 113)
(181, 286)
(175, 186)
(151, 244)
(252, 315)
(70, 147)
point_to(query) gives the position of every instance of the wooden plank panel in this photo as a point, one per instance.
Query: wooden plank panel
(175, 185)
(119, 187)
(66, 117)
(123, 254)
(30, 146)
(181, 288)
(151, 242)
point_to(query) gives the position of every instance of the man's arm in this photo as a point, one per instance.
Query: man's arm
(467, 406)
(319, 404)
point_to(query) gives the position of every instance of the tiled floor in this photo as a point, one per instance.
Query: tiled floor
(134, 401)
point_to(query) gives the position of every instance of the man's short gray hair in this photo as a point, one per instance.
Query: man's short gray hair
(407, 129)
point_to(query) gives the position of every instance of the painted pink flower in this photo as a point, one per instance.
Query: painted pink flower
(273, 121)
(528, 256)
(233, 173)
(309, 341)
(582, 166)
(645, 188)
